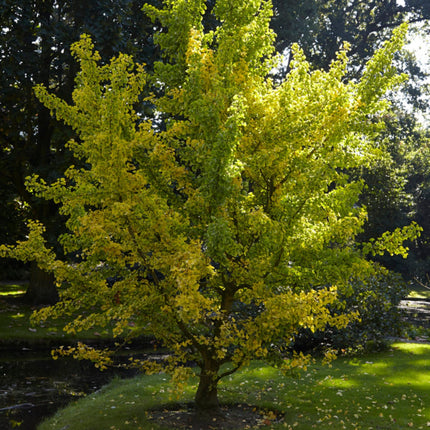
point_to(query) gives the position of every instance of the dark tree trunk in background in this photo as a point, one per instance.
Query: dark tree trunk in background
(41, 289)
(35, 39)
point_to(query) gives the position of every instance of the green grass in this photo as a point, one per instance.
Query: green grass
(15, 326)
(419, 292)
(14, 289)
(387, 390)
(15, 323)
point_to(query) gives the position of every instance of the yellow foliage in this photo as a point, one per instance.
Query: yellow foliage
(224, 231)
(101, 359)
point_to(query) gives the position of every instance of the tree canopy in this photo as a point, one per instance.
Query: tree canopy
(35, 39)
(231, 228)
(321, 26)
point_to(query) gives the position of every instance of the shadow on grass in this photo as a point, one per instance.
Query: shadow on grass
(387, 390)
(17, 331)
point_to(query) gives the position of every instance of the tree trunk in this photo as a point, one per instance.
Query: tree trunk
(41, 290)
(206, 398)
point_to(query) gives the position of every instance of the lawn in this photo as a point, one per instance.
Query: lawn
(381, 391)
(12, 289)
(15, 325)
(388, 390)
(419, 292)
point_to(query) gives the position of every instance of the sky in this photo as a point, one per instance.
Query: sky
(419, 44)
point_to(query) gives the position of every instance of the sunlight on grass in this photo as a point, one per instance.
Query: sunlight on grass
(412, 348)
(7, 290)
(122, 404)
(419, 292)
(389, 390)
(18, 315)
(263, 372)
(421, 363)
(12, 293)
(342, 382)
(419, 380)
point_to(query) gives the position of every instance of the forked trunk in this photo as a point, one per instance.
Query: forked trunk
(206, 398)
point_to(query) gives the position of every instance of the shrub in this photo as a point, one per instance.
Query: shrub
(377, 302)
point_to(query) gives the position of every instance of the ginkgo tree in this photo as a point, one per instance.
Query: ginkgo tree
(228, 227)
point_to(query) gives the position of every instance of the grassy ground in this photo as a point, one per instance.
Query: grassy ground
(387, 390)
(419, 292)
(384, 391)
(12, 289)
(15, 323)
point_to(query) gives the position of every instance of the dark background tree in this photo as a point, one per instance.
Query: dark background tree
(35, 39)
(389, 196)
(320, 27)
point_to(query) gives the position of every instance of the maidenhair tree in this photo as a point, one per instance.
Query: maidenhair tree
(231, 226)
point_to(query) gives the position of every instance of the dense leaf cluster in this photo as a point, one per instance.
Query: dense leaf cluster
(377, 302)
